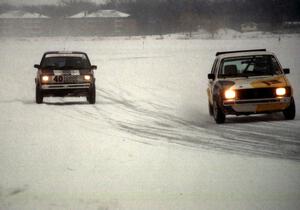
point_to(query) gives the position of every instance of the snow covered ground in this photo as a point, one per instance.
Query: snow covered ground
(148, 142)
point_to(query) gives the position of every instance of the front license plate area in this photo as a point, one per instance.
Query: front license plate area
(65, 79)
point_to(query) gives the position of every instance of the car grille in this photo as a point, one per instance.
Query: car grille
(71, 78)
(258, 93)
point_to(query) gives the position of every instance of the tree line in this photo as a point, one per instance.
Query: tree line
(174, 15)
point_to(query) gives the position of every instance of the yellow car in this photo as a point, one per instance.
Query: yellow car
(249, 82)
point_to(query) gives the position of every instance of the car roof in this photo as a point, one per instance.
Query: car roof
(64, 52)
(245, 53)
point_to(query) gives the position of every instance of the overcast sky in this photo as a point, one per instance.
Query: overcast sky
(35, 2)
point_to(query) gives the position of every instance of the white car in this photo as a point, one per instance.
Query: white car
(65, 74)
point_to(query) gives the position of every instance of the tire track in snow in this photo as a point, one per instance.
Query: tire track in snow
(268, 138)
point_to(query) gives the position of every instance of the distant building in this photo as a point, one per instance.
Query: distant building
(98, 23)
(18, 23)
(292, 23)
(292, 26)
(103, 22)
(101, 14)
(249, 27)
(18, 14)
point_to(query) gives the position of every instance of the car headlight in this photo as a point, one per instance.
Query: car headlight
(45, 78)
(230, 94)
(87, 77)
(280, 91)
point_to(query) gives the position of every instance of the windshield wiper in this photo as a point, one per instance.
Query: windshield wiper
(49, 67)
(72, 67)
(233, 75)
(67, 67)
(243, 75)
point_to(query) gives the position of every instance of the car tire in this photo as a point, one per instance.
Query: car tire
(218, 113)
(91, 98)
(38, 95)
(210, 109)
(290, 112)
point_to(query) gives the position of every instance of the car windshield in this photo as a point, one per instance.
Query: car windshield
(66, 62)
(246, 66)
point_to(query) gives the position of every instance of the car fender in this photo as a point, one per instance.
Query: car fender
(219, 88)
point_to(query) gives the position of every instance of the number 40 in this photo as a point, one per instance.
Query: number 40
(58, 78)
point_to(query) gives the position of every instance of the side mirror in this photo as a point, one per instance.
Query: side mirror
(37, 66)
(93, 67)
(286, 71)
(211, 76)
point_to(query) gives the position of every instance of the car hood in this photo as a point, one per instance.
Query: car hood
(260, 82)
(66, 72)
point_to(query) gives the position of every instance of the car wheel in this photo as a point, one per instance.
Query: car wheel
(38, 95)
(91, 98)
(290, 112)
(210, 109)
(218, 113)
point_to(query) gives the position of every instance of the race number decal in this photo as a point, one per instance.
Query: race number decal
(58, 78)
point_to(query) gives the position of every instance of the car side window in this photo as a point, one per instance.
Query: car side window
(275, 66)
(213, 70)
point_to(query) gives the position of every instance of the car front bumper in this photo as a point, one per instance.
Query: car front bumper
(253, 106)
(65, 86)
(81, 89)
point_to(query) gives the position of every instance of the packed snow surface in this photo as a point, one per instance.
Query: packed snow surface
(148, 142)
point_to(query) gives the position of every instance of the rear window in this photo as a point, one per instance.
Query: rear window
(65, 61)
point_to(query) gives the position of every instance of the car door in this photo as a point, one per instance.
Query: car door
(211, 82)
